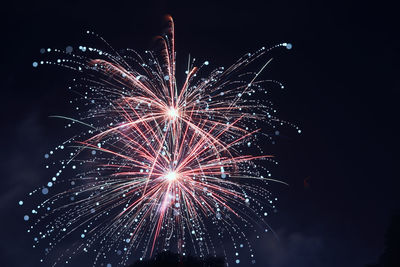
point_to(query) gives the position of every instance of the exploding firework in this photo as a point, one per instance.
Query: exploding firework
(157, 165)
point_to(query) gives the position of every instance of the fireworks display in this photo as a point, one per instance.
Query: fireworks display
(157, 164)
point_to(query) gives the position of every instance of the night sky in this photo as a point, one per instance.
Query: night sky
(342, 89)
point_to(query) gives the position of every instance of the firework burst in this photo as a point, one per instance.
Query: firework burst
(157, 165)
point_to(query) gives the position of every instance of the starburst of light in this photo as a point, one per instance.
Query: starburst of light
(158, 165)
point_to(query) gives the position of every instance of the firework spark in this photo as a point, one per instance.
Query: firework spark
(157, 165)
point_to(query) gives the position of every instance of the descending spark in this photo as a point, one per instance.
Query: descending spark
(158, 165)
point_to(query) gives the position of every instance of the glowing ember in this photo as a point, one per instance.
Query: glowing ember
(173, 113)
(171, 176)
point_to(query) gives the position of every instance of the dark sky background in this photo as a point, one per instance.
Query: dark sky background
(342, 89)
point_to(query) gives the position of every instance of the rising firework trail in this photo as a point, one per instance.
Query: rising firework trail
(157, 164)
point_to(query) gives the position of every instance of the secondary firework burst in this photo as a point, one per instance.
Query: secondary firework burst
(157, 164)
